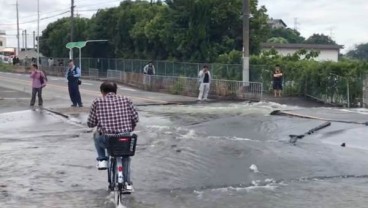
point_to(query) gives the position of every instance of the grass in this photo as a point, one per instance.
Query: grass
(5, 67)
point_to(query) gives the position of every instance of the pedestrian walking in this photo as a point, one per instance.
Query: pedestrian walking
(277, 81)
(205, 82)
(73, 74)
(38, 82)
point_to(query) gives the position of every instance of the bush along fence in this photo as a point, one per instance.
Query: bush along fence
(335, 83)
(179, 85)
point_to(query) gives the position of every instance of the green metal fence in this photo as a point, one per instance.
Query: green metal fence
(164, 68)
(334, 90)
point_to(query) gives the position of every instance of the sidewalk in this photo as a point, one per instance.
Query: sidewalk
(296, 101)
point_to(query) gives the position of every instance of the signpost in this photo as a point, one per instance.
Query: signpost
(79, 45)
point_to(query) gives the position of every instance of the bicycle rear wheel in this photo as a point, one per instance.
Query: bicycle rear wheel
(118, 185)
(111, 174)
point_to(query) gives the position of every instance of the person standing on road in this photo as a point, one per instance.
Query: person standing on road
(51, 62)
(38, 82)
(149, 69)
(205, 82)
(73, 74)
(112, 114)
(277, 81)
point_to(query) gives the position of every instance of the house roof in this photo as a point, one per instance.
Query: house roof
(301, 46)
(273, 21)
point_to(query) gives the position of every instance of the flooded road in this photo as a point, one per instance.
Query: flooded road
(189, 156)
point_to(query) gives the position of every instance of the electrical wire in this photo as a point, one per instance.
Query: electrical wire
(44, 18)
(45, 13)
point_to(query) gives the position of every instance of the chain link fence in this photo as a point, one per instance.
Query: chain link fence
(179, 85)
(335, 90)
(164, 68)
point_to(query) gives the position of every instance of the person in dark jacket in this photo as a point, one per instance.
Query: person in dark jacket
(73, 74)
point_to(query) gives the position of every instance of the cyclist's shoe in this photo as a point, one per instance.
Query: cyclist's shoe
(128, 188)
(110, 187)
(102, 165)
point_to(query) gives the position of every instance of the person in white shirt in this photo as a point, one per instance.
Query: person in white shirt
(149, 69)
(205, 82)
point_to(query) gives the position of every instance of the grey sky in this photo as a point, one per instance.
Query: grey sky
(346, 20)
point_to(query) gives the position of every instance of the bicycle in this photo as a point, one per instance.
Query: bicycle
(119, 147)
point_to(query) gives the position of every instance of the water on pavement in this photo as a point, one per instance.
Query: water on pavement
(189, 156)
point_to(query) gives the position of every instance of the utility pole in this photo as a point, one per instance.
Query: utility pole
(38, 32)
(72, 28)
(34, 39)
(18, 48)
(246, 15)
(25, 39)
(296, 23)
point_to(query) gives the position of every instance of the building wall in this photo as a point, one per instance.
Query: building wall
(325, 55)
(2, 43)
(277, 25)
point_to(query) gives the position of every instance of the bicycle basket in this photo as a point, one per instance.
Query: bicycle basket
(121, 146)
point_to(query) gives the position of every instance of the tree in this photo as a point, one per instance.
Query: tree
(259, 29)
(57, 35)
(194, 30)
(360, 52)
(291, 35)
(320, 39)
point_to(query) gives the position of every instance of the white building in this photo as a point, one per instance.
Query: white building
(326, 52)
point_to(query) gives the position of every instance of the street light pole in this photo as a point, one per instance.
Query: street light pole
(246, 15)
(72, 28)
(18, 48)
(38, 32)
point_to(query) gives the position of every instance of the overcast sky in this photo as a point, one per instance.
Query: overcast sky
(345, 20)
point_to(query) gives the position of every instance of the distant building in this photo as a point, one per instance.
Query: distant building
(31, 53)
(2, 40)
(276, 23)
(326, 52)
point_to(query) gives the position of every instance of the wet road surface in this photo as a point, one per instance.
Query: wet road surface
(190, 156)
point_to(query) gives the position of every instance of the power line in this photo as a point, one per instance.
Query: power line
(88, 10)
(44, 18)
(47, 12)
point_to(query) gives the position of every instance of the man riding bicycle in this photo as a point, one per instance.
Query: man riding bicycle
(112, 114)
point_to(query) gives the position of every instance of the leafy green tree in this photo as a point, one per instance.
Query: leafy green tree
(259, 29)
(360, 52)
(194, 30)
(291, 35)
(320, 39)
(57, 35)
